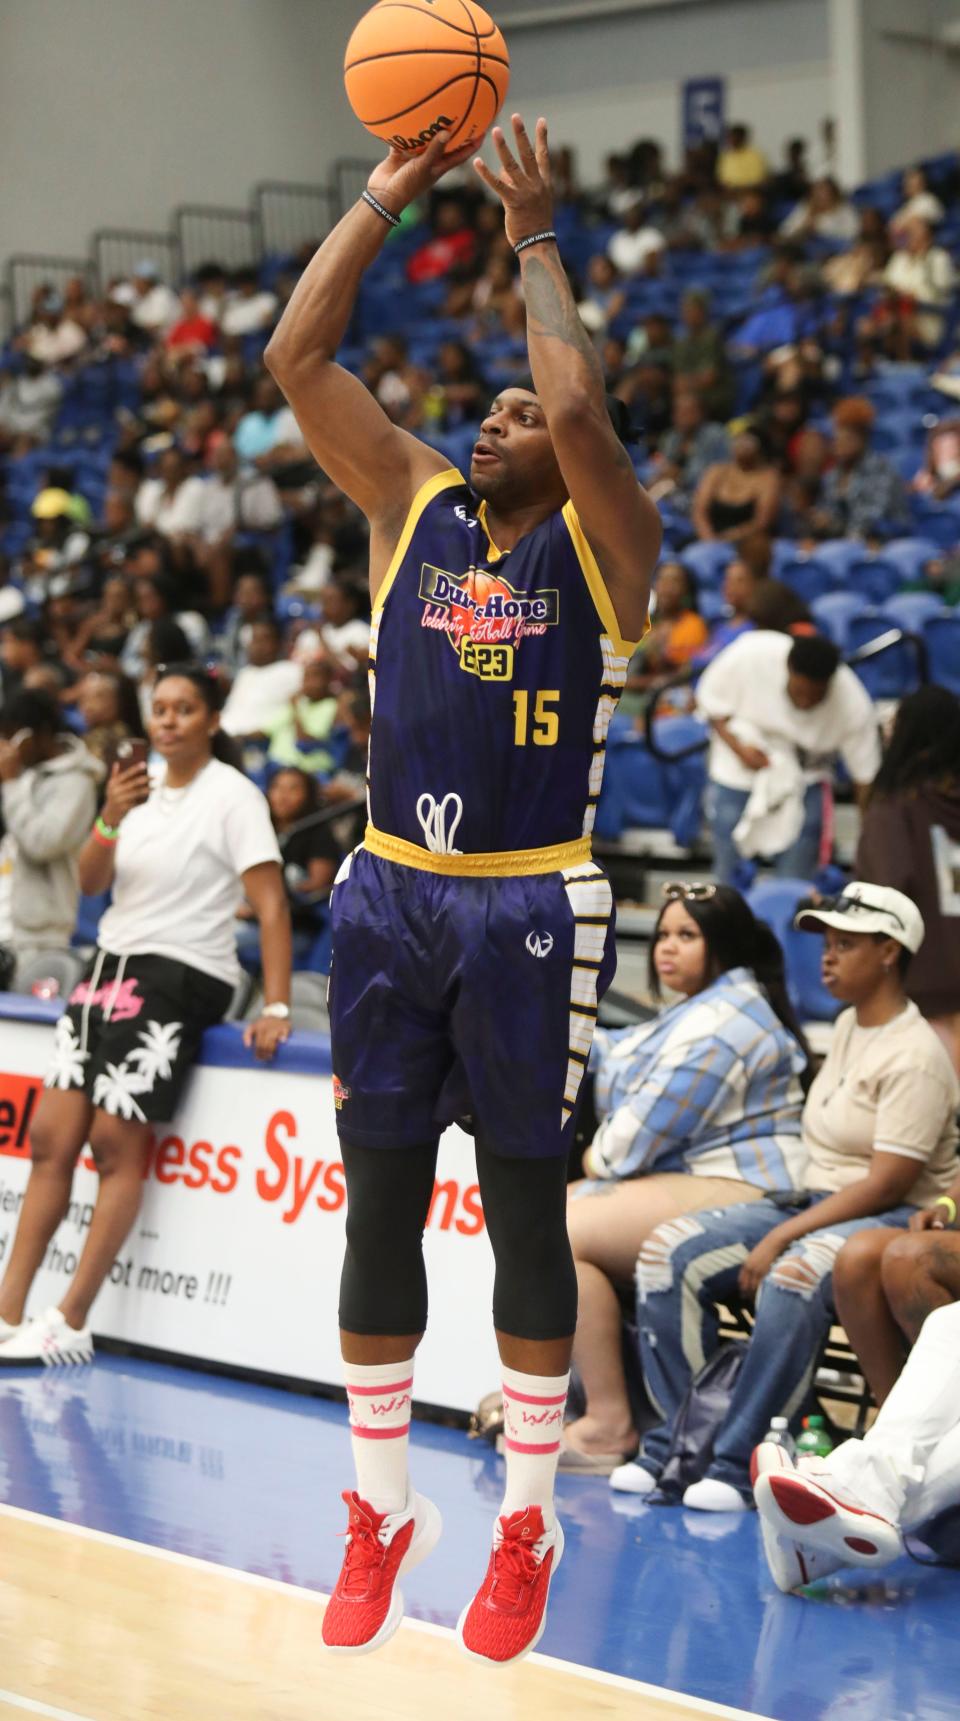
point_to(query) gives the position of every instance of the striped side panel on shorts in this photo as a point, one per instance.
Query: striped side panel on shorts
(614, 675)
(591, 899)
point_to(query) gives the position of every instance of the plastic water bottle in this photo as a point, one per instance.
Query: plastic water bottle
(814, 1440)
(778, 1434)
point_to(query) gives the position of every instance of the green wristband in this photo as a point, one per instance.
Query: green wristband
(111, 832)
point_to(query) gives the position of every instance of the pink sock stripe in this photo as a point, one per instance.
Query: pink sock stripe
(521, 1446)
(378, 1391)
(379, 1433)
(528, 1398)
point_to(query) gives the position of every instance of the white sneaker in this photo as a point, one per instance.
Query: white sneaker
(813, 1528)
(632, 1478)
(47, 1339)
(792, 1564)
(709, 1495)
(7, 1331)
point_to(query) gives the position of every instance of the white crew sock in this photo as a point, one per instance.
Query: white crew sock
(533, 1407)
(379, 1397)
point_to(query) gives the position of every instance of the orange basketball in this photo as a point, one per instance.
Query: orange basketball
(413, 67)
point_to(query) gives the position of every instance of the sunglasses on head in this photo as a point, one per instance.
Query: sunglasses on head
(855, 905)
(677, 891)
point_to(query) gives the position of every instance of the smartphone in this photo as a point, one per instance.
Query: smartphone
(132, 752)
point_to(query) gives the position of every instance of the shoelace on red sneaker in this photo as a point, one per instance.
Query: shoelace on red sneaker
(514, 1567)
(364, 1552)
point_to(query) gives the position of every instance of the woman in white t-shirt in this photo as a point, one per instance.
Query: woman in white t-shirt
(180, 853)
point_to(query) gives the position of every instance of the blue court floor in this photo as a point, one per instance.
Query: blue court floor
(249, 1477)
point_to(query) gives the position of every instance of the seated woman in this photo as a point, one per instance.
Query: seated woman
(699, 1108)
(738, 497)
(880, 1129)
(676, 632)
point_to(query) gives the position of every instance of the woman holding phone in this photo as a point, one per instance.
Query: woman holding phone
(179, 850)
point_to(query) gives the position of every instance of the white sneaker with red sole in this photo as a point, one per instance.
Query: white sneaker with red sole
(46, 1339)
(506, 1618)
(367, 1606)
(810, 1528)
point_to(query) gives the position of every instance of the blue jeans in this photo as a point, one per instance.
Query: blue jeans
(724, 808)
(689, 1265)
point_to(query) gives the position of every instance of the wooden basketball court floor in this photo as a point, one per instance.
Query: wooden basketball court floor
(167, 1540)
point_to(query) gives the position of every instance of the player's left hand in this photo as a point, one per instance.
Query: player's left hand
(758, 1264)
(523, 186)
(265, 1035)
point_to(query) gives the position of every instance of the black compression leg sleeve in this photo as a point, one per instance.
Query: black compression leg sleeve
(525, 1204)
(383, 1286)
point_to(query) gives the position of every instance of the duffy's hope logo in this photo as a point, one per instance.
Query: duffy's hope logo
(484, 618)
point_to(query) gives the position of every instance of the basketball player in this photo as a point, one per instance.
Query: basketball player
(473, 934)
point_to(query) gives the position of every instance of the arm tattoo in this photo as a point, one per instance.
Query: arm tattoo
(550, 302)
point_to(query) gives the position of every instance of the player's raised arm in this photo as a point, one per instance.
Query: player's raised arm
(379, 466)
(621, 523)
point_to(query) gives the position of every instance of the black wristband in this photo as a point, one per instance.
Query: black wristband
(369, 198)
(534, 239)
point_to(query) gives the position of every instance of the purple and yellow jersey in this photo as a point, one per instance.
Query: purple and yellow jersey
(493, 678)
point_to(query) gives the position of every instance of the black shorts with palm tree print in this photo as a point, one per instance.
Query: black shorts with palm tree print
(131, 1031)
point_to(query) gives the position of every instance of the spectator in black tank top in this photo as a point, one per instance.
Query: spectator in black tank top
(740, 496)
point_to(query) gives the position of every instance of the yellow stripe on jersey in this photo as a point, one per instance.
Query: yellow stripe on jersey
(509, 864)
(440, 481)
(602, 600)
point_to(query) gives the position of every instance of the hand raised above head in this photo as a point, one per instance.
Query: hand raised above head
(524, 183)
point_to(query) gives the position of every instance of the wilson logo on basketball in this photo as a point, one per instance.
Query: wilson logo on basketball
(441, 123)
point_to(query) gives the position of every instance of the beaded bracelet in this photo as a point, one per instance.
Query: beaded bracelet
(368, 198)
(534, 239)
(103, 833)
(948, 1202)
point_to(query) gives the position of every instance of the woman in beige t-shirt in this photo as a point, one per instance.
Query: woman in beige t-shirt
(879, 1124)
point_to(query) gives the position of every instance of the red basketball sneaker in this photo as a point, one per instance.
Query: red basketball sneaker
(366, 1607)
(506, 1618)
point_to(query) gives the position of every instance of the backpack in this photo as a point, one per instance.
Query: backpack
(698, 1422)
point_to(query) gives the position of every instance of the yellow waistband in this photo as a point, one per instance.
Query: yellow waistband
(505, 865)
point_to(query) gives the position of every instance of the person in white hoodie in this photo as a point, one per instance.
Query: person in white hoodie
(50, 787)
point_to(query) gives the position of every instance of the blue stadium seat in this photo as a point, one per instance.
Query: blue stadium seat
(89, 912)
(707, 561)
(839, 554)
(775, 902)
(832, 614)
(910, 555)
(808, 578)
(893, 672)
(910, 610)
(712, 606)
(873, 579)
(941, 635)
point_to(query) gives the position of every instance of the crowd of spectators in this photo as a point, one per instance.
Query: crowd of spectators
(158, 502)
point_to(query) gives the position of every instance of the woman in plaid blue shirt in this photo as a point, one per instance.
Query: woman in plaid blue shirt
(700, 1108)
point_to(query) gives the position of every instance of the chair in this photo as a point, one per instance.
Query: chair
(707, 561)
(711, 606)
(893, 672)
(839, 554)
(809, 579)
(832, 615)
(872, 579)
(909, 610)
(941, 635)
(910, 556)
(774, 901)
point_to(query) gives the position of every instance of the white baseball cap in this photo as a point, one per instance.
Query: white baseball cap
(867, 908)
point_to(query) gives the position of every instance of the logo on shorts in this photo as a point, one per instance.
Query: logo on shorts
(539, 943)
(340, 1093)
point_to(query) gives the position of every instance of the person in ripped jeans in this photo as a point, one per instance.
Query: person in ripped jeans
(879, 1125)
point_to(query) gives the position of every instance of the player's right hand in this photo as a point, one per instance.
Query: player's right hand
(402, 177)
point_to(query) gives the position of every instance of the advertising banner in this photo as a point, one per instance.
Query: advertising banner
(235, 1257)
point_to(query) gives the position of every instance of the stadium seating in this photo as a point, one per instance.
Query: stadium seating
(775, 902)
